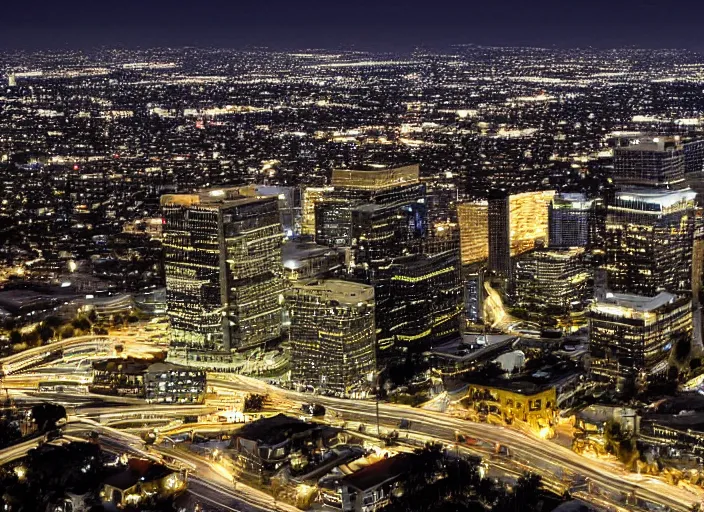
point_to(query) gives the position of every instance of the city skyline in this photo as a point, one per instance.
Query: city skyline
(366, 26)
(350, 281)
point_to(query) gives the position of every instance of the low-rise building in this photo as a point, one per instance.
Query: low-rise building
(631, 336)
(174, 384)
(515, 400)
(142, 482)
(263, 447)
(371, 488)
(157, 382)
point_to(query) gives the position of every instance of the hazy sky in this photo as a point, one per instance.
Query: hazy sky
(380, 24)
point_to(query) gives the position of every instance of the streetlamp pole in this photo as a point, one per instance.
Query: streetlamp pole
(378, 388)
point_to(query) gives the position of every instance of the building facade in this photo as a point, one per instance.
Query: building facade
(223, 270)
(426, 301)
(553, 281)
(570, 217)
(631, 336)
(649, 239)
(162, 383)
(167, 383)
(332, 335)
(652, 162)
(397, 188)
(473, 220)
(517, 223)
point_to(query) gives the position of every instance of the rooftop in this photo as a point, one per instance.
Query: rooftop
(128, 366)
(651, 143)
(662, 198)
(137, 470)
(637, 302)
(214, 197)
(375, 176)
(383, 471)
(572, 200)
(294, 253)
(274, 430)
(335, 289)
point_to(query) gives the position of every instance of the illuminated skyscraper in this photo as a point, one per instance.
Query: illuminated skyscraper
(415, 274)
(289, 204)
(649, 241)
(569, 219)
(223, 269)
(653, 162)
(425, 293)
(398, 188)
(631, 336)
(473, 219)
(310, 198)
(517, 223)
(332, 334)
(552, 281)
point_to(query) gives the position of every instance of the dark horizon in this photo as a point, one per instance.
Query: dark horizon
(391, 26)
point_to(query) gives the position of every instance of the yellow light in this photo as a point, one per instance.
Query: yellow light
(20, 472)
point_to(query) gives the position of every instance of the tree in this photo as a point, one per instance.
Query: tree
(15, 336)
(47, 415)
(53, 321)
(682, 349)
(31, 337)
(524, 497)
(45, 333)
(67, 332)
(52, 471)
(254, 402)
(81, 323)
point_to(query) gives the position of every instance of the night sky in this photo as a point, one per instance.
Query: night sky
(364, 24)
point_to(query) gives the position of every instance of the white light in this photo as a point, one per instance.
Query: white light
(217, 193)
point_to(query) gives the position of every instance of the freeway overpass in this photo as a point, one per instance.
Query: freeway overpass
(38, 355)
(543, 456)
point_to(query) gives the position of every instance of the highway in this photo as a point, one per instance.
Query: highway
(542, 455)
(35, 356)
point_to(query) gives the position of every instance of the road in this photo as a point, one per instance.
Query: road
(542, 455)
(34, 356)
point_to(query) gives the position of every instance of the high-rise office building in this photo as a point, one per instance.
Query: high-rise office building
(517, 223)
(649, 240)
(223, 270)
(398, 188)
(694, 167)
(631, 336)
(570, 217)
(473, 220)
(652, 162)
(499, 233)
(289, 204)
(415, 274)
(380, 232)
(309, 199)
(474, 296)
(425, 301)
(553, 281)
(332, 335)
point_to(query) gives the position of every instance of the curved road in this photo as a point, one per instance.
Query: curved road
(543, 455)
